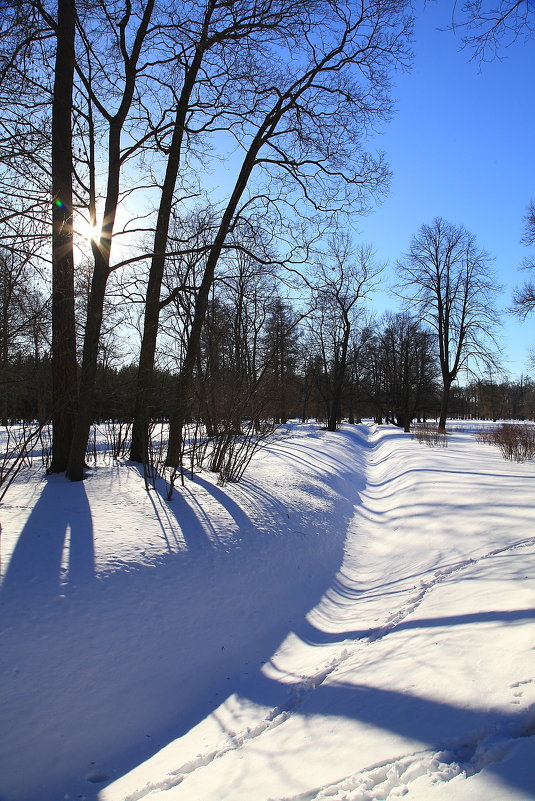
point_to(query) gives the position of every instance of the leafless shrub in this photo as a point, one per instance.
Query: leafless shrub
(18, 443)
(486, 436)
(197, 446)
(154, 466)
(45, 441)
(516, 442)
(234, 450)
(117, 438)
(227, 452)
(430, 435)
(230, 449)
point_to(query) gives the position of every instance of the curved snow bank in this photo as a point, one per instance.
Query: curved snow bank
(353, 622)
(127, 619)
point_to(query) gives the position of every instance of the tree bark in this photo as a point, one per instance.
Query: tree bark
(444, 405)
(340, 369)
(64, 378)
(145, 377)
(84, 418)
(101, 255)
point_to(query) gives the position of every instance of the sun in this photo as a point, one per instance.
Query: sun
(88, 231)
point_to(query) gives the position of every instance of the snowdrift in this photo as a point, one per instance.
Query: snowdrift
(354, 621)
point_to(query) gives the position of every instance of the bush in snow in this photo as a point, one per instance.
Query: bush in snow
(516, 442)
(430, 435)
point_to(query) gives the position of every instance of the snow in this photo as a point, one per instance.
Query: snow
(354, 621)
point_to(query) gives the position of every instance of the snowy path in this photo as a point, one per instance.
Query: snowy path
(356, 705)
(355, 622)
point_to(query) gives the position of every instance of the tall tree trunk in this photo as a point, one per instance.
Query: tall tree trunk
(101, 255)
(185, 377)
(145, 377)
(64, 377)
(84, 418)
(444, 404)
(335, 404)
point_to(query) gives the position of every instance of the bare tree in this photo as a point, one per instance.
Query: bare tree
(223, 41)
(279, 358)
(524, 297)
(305, 132)
(407, 368)
(448, 280)
(342, 282)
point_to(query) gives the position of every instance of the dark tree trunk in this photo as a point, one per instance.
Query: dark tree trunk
(332, 420)
(145, 378)
(185, 378)
(340, 370)
(444, 405)
(101, 255)
(84, 418)
(64, 377)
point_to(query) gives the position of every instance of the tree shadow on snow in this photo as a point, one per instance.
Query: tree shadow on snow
(471, 738)
(114, 671)
(205, 618)
(55, 549)
(313, 636)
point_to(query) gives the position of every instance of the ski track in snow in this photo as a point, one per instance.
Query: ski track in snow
(390, 780)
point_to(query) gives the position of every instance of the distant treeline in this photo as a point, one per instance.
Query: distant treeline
(300, 391)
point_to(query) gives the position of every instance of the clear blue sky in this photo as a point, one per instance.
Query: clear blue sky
(462, 147)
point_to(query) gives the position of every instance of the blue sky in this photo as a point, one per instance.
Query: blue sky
(462, 147)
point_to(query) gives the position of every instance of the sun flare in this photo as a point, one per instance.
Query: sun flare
(88, 231)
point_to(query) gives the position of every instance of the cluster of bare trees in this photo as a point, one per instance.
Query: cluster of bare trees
(121, 105)
(262, 357)
(174, 174)
(495, 399)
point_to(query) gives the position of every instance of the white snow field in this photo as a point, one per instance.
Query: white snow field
(354, 621)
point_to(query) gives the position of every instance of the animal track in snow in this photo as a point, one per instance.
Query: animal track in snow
(381, 782)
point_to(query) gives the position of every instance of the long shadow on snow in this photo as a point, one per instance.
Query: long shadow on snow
(208, 616)
(313, 636)
(56, 527)
(465, 736)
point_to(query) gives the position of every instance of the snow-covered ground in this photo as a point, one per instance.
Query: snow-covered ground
(354, 621)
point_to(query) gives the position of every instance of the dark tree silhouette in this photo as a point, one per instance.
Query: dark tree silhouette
(447, 279)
